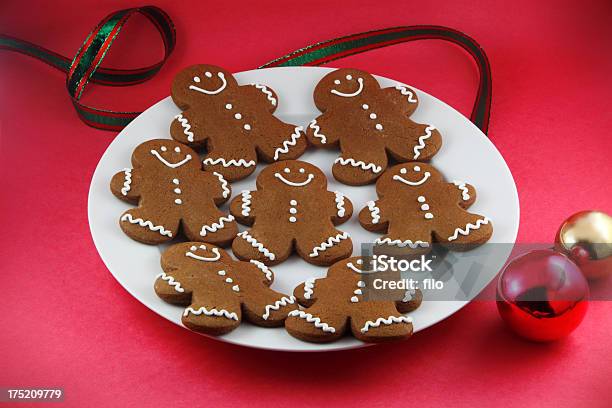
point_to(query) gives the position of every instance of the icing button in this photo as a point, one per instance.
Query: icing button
(354, 299)
(429, 216)
(361, 284)
(421, 199)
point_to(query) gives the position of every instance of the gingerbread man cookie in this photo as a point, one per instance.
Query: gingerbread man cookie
(334, 302)
(292, 209)
(416, 206)
(217, 290)
(234, 123)
(170, 188)
(368, 123)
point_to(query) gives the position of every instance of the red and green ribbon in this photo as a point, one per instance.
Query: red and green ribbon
(85, 65)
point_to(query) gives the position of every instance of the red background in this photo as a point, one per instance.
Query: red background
(66, 322)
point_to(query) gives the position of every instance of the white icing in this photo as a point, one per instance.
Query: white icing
(211, 312)
(350, 95)
(175, 181)
(178, 201)
(227, 163)
(186, 126)
(421, 145)
(284, 301)
(148, 224)
(379, 126)
(269, 94)
(421, 199)
(354, 299)
(355, 269)
(465, 194)
(330, 242)
(237, 116)
(401, 244)
(469, 227)
(293, 202)
(311, 319)
(374, 212)
(293, 184)
(412, 183)
(216, 91)
(263, 268)
(425, 207)
(167, 163)
(236, 288)
(358, 291)
(406, 91)
(229, 280)
(365, 106)
(317, 133)
(204, 258)
(221, 273)
(292, 219)
(364, 166)
(408, 295)
(172, 282)
(361, 284)
(247, 126)
(340, 203)
(177, 190)
(256, 244)
(246, 203)
(223, 182)
(309, 288)
(128, 181)
(388, 321)
(290, 142)
(215, 226)
(428, 216)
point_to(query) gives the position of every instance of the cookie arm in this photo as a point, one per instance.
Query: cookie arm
(280, 141)
(372, 218)
(187, 129)
(220, 188)
(417, 142)
(342, 208)
(264, 93)
(125, 185)
(321, 132)
(305, 292)
(465, 193)
(242, 207)
(403, 97)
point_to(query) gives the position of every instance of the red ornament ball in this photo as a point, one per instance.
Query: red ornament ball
(542, 295)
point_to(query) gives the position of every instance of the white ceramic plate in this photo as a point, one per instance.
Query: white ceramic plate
(467, 154)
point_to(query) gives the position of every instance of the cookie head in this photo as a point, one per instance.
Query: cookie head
(164, 154)
(199, 83)
(408, 177)
(344, 86)
(194, 254)
(292, 175)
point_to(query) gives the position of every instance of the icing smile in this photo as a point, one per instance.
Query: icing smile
(291, 183)
(348, 95)
(166, 162)
(197, 80)
(203, 258)
(425, 177)
(354, 268)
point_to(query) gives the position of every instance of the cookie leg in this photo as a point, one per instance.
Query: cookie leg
(269, 247)
(233, 163)
(210, 225)
(266, 307)
(316, 324)
(324, 247)
(469, 231)
(381, 323)
(356, 168)
(212, 313)
(405, 239)
(148, 226)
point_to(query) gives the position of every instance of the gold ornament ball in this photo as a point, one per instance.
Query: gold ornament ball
(587, 238)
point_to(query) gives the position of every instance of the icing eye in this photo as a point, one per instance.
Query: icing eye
(196, 79)
(177, 149)
(302, 171)
(163, 148)
(365, 106)
(193, 248)
(337, 82)
(403, 171)
(349, 77)
(228, 106)
(287, 170)
(208, 74)
(203, 247)
(359, 262)
(417, 168)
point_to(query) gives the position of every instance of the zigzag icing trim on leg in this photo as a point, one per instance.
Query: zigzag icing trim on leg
(215, 226)
(209, 161)
(287, 143)
(246, 203)
(330, 242)
(388, 321)
(172, 282)
(340, 203)
(408, 295)
(309, 288)
(262, 266)
(313, 125)
(311, 319)
(405, 91)
(374, 212)
(186, 126)
(128, 181)
(147, 224)
(211, 312)
(223, 182)
(469, 227)
(361, 164)
(284, 301)
(265, 90)
(401, 244)
(256, 244)
(421, 145)
(465, 194)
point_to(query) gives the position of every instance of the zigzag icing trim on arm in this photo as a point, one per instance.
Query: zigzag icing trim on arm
(465, 194)
(246, 203)
(340, 203)
(421, 145)
(330, 242)
(265, 90)
(284, 301)
(128, 181)
(388, 321)
(401, 244)
(186, 126)
(256, 244)
(215, 226)
(223, 182)
(212, 312)
(148, 224)
(287, 143)
(262, 267)
(311, 319)
(209, 161)
(362, 165)
(405, 91)
(171, 281)
(309, 288)
(374, 212)
(317, 131)
(469, 227)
